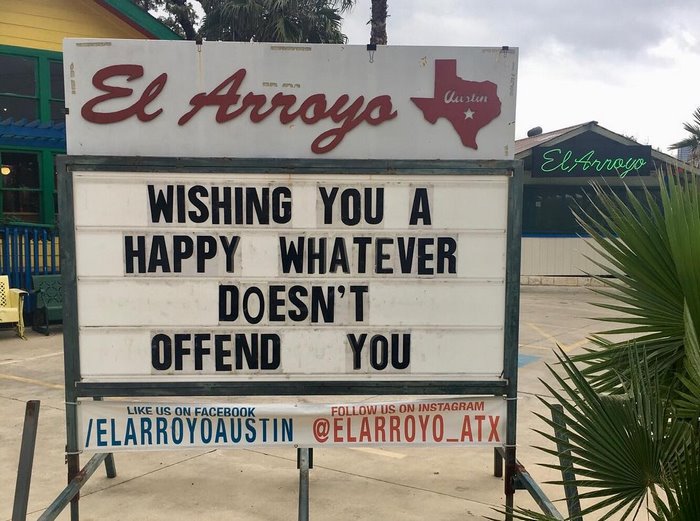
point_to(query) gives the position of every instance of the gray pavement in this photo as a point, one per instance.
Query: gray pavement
(244, 484)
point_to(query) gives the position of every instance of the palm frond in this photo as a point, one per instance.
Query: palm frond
(688, 400)
(650, 252)
(681, 489)
(693, 128)
(621, 446)
(313, 21)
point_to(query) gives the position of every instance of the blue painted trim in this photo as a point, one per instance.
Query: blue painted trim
(32, 134)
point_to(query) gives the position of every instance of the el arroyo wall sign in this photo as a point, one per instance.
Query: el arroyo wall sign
(263, 100)
(590, 154)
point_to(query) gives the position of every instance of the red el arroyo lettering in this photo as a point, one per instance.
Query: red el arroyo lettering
(311, 110)
(138, 109)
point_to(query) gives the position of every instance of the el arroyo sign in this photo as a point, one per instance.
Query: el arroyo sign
(276, 271)
(280, 101)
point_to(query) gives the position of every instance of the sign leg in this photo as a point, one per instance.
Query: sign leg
(303, 455)
(72, 490)
(570, 491)
(110, 466)
(509, 482)
(72, 455)
(73, 469)
(26, 460)
(497, 464)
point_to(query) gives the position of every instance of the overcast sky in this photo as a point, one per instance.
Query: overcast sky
(631, 65)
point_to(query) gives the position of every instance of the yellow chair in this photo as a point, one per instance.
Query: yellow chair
(11, 304)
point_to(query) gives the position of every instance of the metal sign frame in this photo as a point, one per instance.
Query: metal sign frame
(75, 388)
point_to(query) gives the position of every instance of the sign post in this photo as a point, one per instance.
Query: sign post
(309, 261)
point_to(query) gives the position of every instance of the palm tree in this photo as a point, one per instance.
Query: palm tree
(632, 407)
(693, 140)
(630, 452)
(378, 22)
(303, 21)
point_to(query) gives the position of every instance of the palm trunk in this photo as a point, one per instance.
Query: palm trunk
(378, 34)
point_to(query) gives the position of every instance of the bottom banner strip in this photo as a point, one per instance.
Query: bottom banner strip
(111, 426)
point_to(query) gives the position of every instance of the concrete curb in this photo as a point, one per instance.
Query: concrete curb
(540, 280)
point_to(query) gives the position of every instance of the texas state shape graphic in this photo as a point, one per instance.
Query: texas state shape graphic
(467, 105)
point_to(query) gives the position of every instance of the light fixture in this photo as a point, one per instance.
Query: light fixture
(5, 170)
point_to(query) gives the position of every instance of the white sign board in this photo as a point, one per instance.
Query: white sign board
(282, 277)
(177, 99)
(129, 426)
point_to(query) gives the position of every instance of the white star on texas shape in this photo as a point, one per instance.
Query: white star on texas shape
(469, 114)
